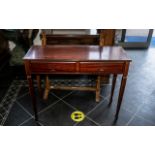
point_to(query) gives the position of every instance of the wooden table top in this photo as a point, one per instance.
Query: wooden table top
(77, 53)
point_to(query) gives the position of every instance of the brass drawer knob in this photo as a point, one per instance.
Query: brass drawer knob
(101, 70)
(52, 70)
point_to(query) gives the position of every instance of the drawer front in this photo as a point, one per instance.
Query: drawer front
(104, 67)
(53, 67)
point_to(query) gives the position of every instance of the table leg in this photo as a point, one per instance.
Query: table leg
(98, 83)
(121, 92)
(39, 85)
(113, 88)
(31, 90)
(47, 87)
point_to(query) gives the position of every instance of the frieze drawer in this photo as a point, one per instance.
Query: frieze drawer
(53, 67)
(101, 67)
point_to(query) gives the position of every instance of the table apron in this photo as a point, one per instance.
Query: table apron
(76, 68)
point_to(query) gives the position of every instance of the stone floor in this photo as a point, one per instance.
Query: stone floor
(137, 109)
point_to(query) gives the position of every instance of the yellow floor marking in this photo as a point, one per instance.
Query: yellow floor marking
(77, 116)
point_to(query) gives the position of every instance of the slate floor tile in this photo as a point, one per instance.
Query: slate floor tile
(147, 112)
(105, 90)
(16, 116)
(26, 102)
(86, 122)
(61, 93)
(2, 93)
(58, 115)
(138, 121)
(105, 115)
(31, 122)
(24, 90)
(82, 100)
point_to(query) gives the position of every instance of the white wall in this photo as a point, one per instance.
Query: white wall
(137, 32)
(37, 40)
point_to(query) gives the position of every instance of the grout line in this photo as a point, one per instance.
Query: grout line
(104, 99)
(64, 96)
(43, 110)
(8, 91)
(29, 120)
(7, 114)
(26, 121)
(130, 120)
(61, 99)
(93, 121)
(76, 124)
(134, 115)
(124, 108)
(70, 105)
(138, 115)
(145, 119)
(52, 104)
(12, 101)
(24, 109)
(40, 123)
(77, 109)
(88, 119)
(108, 95)
(48, 107)
(1, 115)
(22, 95)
